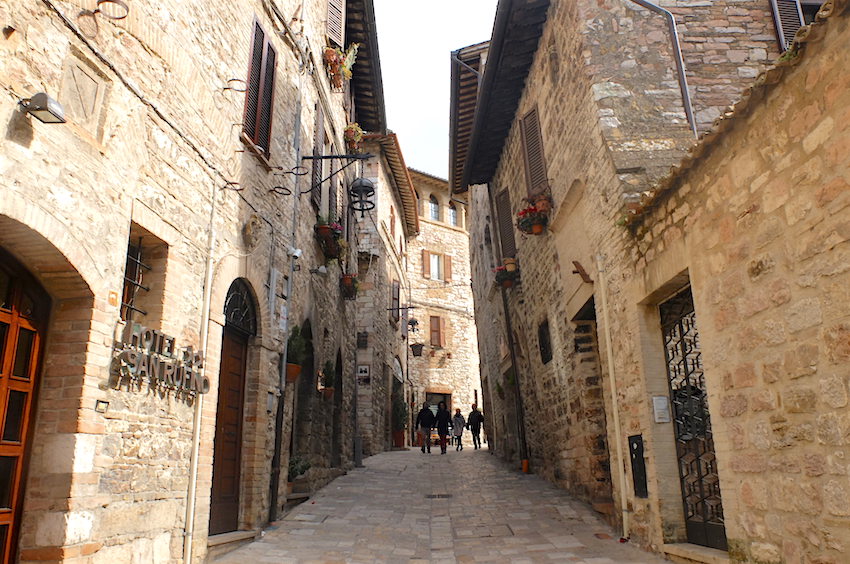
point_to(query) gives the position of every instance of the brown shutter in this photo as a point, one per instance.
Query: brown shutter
(318, 147)
(264, 133)
(426, 264)
(788, 18)
(435, 331)
(252, 95)
(506, 224)
(396, 302)
(447, 268)
(336, 21)
(442, 331)
(532, 143)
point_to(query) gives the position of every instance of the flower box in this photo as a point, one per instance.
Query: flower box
(532, 220)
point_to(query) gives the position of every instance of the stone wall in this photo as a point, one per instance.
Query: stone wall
(152, 146)
(454, 368)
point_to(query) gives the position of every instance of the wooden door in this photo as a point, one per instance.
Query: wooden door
(23, 310)
(227, 453)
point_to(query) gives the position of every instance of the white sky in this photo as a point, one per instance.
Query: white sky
(415, 41)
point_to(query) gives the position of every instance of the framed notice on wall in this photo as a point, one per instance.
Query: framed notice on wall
(363, 374)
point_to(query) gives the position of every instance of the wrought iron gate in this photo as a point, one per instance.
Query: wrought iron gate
(694, 442)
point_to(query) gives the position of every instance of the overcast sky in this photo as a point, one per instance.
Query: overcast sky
(415, 40)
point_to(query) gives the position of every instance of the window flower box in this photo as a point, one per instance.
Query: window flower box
(506, 278)
(532, 220)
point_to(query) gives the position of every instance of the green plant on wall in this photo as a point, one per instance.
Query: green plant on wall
(296, 347)
(297, 466)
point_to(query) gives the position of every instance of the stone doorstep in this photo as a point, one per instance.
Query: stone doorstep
(686, 553)
(234, 536)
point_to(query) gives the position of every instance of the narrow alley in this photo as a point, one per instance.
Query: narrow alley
(463, 507)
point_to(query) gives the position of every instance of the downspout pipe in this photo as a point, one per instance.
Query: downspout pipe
(191, 496)
(677, 56)
(612, 379)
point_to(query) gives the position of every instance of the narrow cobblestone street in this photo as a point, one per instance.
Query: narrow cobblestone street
(467, 506)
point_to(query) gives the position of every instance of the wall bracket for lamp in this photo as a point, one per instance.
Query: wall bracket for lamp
(351, 158)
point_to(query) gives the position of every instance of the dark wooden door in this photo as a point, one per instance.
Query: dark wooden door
(23, 309)
(227, 453)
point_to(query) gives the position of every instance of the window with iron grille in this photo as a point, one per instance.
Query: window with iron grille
(133, 282)
(257, 126)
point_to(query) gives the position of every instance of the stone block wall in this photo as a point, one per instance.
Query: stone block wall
(157, 149)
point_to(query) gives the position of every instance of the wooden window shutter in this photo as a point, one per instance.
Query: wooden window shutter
(426, 264)
(396, 301)
(505, 220)
(532, 144)
(447, 268)
(318, 147)
(442, 331)
(392, 223)
(336, 22)
(252, 95)
(788, 18)
(435, 330)
(264, 133)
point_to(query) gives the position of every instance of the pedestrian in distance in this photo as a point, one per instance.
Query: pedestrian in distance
(458, 423)
(443, 422)
(474, 423)
(424, 424)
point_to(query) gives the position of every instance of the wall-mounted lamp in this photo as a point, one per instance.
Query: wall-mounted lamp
(323, 270)
(416, 349)
(100, 406)
(361, 191)
(44, 108)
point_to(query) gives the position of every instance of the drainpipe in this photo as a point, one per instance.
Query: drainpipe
(609, 353)
(677, 55)
(189, 522)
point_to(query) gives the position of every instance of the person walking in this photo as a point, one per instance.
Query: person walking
(424, 424)
(443, 421)
(474, 423)
(458, 423)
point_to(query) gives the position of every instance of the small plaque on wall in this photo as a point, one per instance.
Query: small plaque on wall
(661, 409)
(363, 374)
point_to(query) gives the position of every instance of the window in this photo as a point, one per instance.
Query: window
(133, 276)
(257, 126)
(336, 22)
(438, 331)
(395, 301)
(544, 342)
(532, 144)
(318, 147)
(810, 9)
(144, 277)
(434, 208)
(452, 214)
(436, 266)
(788, 17)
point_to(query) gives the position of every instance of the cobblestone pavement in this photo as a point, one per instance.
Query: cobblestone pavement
(467, 506)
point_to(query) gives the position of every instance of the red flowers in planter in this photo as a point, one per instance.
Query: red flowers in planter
(532, 220)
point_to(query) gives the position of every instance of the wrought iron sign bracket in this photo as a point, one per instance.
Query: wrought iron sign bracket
(352, 158)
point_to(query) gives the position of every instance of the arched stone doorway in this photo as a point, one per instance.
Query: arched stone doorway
(336, 443)
(24, 312)
(240, 326)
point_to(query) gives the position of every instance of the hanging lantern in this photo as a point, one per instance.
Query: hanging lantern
(361, 191)
(413, 324)
(417, 349)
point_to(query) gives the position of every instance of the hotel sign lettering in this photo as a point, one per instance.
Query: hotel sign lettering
(148, 354)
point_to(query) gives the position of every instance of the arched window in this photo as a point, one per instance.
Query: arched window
(452, 214)
(434, 208)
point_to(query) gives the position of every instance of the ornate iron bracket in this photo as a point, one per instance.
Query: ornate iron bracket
(352, 158)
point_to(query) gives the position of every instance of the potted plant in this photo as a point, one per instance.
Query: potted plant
(399, 421)
(338, 64)
(532, 220)
(297, 467)
(329, 235)
(509, 263)
(296, 349)
(504, 277)
(328, 380)
(349, 285)
(352, 135)
(542, 202)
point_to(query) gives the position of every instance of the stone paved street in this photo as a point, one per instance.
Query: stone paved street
(483, 512)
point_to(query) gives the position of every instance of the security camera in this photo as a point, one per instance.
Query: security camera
(294, 253)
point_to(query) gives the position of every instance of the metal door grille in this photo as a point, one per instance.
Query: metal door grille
(694, 442)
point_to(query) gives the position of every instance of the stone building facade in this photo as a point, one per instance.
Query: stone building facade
(438, 270)
(673, 345)
(151, 410)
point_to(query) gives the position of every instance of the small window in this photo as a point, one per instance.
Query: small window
(434, 208)
(144, 277)
(438, 331)
(134, 274)
(532, 144)
(544, 342)
(452, 214)
(395, 302)
(336, 21)
(436, 266)
(257, 126)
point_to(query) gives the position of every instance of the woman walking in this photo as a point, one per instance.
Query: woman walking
(458, 423)
(444, 419)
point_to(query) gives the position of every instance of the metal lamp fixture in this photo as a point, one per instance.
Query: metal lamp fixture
(416, 349)
(361, 191)
(44, 108)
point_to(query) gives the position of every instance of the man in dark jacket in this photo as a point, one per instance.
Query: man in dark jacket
(443, 421)
(474, 423)
(424, 424)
